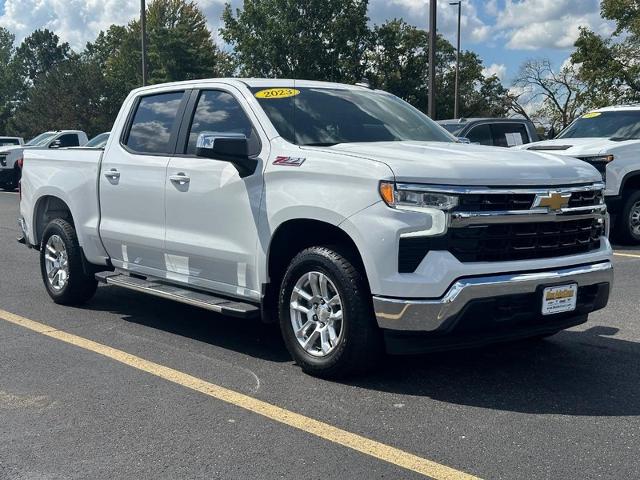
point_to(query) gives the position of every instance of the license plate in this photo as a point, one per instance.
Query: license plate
(559, 299)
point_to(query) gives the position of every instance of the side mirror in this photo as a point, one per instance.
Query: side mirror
(55, 144)
(463, 140)
(227, 147)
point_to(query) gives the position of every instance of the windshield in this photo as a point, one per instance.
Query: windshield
(452, 128)
(41, 139)
(9, 141)
(328, 116)
(99, 141)
(622, 125)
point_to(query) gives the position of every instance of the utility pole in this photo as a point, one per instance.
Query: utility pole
(456, 95)
(143, 40)
(432, 58)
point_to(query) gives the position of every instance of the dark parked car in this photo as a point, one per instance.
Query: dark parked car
(499, 132)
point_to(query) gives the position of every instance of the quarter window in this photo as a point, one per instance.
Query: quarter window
(220, 112)
(68, 140)
(154, 122)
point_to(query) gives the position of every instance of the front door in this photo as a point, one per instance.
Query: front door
(132, 180)
(212, 213)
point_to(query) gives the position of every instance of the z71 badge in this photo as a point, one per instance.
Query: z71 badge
(289, 161)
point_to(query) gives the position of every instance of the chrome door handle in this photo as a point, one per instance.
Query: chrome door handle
(112, 174)
(179, 178)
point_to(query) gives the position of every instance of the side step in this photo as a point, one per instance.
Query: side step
(183, 295)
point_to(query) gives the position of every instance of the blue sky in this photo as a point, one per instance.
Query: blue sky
(503, 32)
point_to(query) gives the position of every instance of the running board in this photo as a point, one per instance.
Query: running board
(183, 295)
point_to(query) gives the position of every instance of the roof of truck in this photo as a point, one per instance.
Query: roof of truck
(617, 108)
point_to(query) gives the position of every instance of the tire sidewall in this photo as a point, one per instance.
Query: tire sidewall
(304, 264)
(627, 232)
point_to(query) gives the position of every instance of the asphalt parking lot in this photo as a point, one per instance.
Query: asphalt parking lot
(85, 393)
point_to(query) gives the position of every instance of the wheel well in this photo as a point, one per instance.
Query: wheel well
(47, 209)
(630, 184)
(294, 236)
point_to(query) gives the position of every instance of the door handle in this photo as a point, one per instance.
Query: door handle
(180, 178)
(112, 174)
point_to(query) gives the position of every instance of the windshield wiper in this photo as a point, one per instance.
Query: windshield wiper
(320, 144)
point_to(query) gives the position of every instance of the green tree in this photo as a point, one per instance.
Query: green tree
(310, 39)
(8, 82)
(397, 58)
(609, 66)
(69, 96)
(39, 53)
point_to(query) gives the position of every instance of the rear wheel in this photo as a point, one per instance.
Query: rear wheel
(629, 222)
(326, 316)
(61, 265)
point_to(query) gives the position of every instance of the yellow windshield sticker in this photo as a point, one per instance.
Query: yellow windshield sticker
(277, 93)
(591, 115)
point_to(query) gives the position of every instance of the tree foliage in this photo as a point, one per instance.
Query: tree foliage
(306, 39)
(610, 66)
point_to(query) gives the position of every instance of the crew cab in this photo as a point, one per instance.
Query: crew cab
(609, 139)
(341, 212)
(11, 154)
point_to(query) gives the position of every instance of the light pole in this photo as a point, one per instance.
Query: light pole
(456, 95)
(432, 59)
(143, 40)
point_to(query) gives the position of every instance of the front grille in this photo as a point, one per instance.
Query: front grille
(586, 199)
(504, 242)
(494, 202)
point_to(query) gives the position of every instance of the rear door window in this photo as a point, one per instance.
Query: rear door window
(480, 134)
(68, 140)
(154, 123)
(509, 134)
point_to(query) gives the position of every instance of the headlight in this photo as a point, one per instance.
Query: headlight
(411, 197)
(597, 158)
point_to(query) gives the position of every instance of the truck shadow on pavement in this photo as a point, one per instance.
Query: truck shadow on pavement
(582, 373)
(588, 373)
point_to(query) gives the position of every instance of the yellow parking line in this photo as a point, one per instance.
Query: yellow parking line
(630, 255)
(320, 429)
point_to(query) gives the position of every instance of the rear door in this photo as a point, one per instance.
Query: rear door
(132, 179)
(212, 213)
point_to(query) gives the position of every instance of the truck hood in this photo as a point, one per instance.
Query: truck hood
(463, 164)
(12, 147)
(576, 147)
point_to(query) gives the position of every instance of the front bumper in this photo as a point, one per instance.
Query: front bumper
(7, 176)
(505, 299)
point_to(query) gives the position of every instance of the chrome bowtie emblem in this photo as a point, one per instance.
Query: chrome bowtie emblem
(554, 201)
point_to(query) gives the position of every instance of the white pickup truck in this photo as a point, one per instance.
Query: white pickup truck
(608, 139)
(341, 211)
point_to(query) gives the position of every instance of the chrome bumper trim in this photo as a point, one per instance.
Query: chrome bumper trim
(462, 219)
(428, 315)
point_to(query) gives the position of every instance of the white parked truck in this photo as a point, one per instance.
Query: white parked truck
(340, 211)
(11, 155)
(608, 139)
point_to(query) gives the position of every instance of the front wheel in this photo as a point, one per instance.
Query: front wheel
(326, 315)
(61, 265)
(629, 223)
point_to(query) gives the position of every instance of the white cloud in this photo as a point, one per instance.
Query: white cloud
(497, 69)
(537, 24)
(79, 21)
(416, 12)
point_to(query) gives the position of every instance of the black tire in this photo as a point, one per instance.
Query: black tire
(17, 175)
(624, 226)
(359, 346)
(79, 286)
